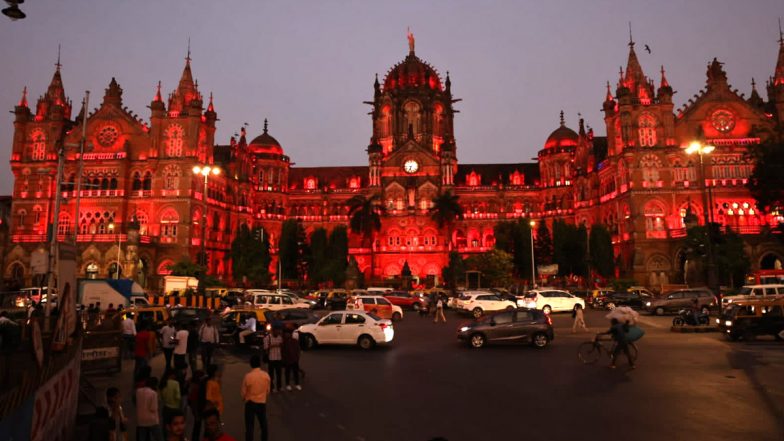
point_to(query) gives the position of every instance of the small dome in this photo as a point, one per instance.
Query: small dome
(562, 136)
(265, 143)
(412, 72)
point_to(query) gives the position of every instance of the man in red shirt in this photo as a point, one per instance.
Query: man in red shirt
(213, 428)
(144, 349)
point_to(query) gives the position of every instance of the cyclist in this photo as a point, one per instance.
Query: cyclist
(618, 333)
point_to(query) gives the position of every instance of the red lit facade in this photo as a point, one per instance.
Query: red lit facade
(637, 180)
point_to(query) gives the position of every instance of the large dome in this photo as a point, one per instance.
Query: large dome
(562, 137)
(411, 73)
(265, 143)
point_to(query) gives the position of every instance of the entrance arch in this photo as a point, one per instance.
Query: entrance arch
(771, 261)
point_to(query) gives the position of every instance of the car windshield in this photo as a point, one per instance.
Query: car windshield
(745, 291)
(373, 316)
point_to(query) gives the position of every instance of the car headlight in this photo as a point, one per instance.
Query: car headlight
(464, 329)
(647, 303)
(728, 323)
(718, 321)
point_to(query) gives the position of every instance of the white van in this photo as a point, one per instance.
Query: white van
(754, 292)
(273, 301)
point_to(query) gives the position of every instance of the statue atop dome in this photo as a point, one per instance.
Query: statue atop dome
(410, 40)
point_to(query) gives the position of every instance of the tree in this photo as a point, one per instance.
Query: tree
(514, 237)
(292, 249)
(446, 210)
(569, 248)
(732, 262)
(454, 272)
(318, 260)
(250, 257)
(186, 267)
(766, 182)
(495, 265)
(365, 219)
(337, 255)
(601, 253)
(543, 245)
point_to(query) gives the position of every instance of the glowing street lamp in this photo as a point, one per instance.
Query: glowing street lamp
(533, 266)
(119, 249)
(701, 150)
(205, 171)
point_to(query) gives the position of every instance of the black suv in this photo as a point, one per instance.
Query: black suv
(520, 325)
(751, 318)
(633, 299)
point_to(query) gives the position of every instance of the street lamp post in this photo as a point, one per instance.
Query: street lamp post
(700, 149)
(205, 171)
(119, 247)
(533, 265)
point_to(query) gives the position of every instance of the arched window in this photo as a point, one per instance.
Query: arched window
(310, 183)
(650, 166)
(175, 141)
(647, 124)
(64, 224)
(147, 182)
(137, 181)
(654, 218)
(169, 221)
(36, 214)
(38, 146)
(171, 177)
(385, 122)
(438, 119)
(143, 220)
(20, 218)
(412, 111)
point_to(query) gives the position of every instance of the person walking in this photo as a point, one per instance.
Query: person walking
(440, 310)
(579, 319)
(213, 428)
(193, 347)
(171, 398)
(180, 347)
(175, 426)
(273, 345)
(618, 333)
(213, 394)
(116, 413)
(208, 340)
(144, 348)
(254, 392)
(128, 335)
(291, 352)
(168, 343)
(148, 425)
(197, 400)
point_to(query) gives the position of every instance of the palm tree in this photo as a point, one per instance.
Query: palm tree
(365, 219)
(445, 211)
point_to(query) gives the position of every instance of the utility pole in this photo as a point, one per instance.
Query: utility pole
(52, 269)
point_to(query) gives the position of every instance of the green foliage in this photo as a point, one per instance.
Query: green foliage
(454, 272)
(446, 210)
(495, 265)
(732, 262)
(250, 257)
(328, 256)
(543, 245)
(292, 249)
(514, 237)
(186, 267)
(318, 260)
(601, 251)
(766, 182)
(365, 216)
(569, 248)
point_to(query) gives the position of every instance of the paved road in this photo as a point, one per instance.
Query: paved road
(687, 386)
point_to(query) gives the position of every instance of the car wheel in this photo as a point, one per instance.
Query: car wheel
(477, 312)
(308, 342)
(547, 309)
(477, 341)
(366, 342)
(510, 308)
(396, 317)
(540, 340)
(659, 311)
(677, 321)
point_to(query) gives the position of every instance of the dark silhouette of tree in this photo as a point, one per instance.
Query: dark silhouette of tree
(365, 219)
(446, 210)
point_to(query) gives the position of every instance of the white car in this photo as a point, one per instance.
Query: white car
(550, 300)
(749, 292)
(347, 328)
(479, 302)
(274, 301)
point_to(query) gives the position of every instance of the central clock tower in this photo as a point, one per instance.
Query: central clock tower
(412, 151)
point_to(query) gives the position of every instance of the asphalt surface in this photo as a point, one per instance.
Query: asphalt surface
(426, 384)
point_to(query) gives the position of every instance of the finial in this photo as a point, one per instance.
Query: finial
(265, 125)
(781, 34)
(631, 39)
(158, 92)
(23, 101)
(58, 58)
(753, 85)
(410, 40)
(620, 73)
(188, 57)
(664, 82)
(210, 107)
(563, 123)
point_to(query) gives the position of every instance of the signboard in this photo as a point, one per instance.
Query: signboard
(39, 261)
(547, 270)
(54, 411)
(101, 351)
(94, 354)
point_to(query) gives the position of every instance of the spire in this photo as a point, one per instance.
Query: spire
(664, 82)
(778, 77)
(113, 94)
(448, 83)
(631, 39)
(582, 125)
(56, 92)
(609, 96)
(755, 99)
(23, 101)
(265, 125)
(563, 123)
(210, 106)
(158, 98)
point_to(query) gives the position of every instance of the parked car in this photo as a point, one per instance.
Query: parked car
(337, 299)
(187, 315)
(550, 300)
(405, 299)
(748, 319)
(273, 301)
(519, 326)
(232, 319)
(596, 297)
(349, 328)
(379, 306)
(155, 315)
(634, 299)
(674, 301)
(291, 318)
(749, 292)
(478, 303)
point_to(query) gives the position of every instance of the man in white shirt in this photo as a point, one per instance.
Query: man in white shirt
(128, 335)
(181, 347)
(208, 339)
(167, 342)
(148, 425)
(249, 327)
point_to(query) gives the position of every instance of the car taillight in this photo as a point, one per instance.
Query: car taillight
(383, 326)
(549, 319)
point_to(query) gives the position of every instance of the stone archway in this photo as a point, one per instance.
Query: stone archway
(658, 268)
(771, 261)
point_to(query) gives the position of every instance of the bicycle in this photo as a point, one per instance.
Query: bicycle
(589, 352)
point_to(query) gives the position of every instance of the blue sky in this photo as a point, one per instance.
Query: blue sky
(308, 65)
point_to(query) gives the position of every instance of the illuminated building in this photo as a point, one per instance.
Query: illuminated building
(637, 180)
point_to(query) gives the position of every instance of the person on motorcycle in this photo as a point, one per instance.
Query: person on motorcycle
(249, 327)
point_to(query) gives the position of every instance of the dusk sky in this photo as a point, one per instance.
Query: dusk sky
(309, 65)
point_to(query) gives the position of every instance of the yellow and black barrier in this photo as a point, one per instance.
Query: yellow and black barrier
(194, 301)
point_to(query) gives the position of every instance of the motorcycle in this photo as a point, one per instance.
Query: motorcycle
(689, 317)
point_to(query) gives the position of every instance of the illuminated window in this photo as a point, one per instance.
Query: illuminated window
(650, 166)
(310, 184)
(171, 177)
(20, 216)
(473, 179)
(654, 217)
(353, 183)
(169, 221)
(38, 147)
(412, 111)
(175, 141)
(36, 215)
(64, 224)
(438, 119)
(137, 181)
(647, 125)
(143, 220)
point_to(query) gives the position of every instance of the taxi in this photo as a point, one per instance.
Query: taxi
(376, 305)
(157, 315)
(233, 318)
(748, 319)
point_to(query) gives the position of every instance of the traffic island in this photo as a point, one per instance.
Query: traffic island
(695, 329)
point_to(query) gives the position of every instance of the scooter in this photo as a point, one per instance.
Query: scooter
(688, 317)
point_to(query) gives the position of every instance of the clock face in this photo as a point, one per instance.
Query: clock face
(723, 120)
(411, 166)
(107, 136)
